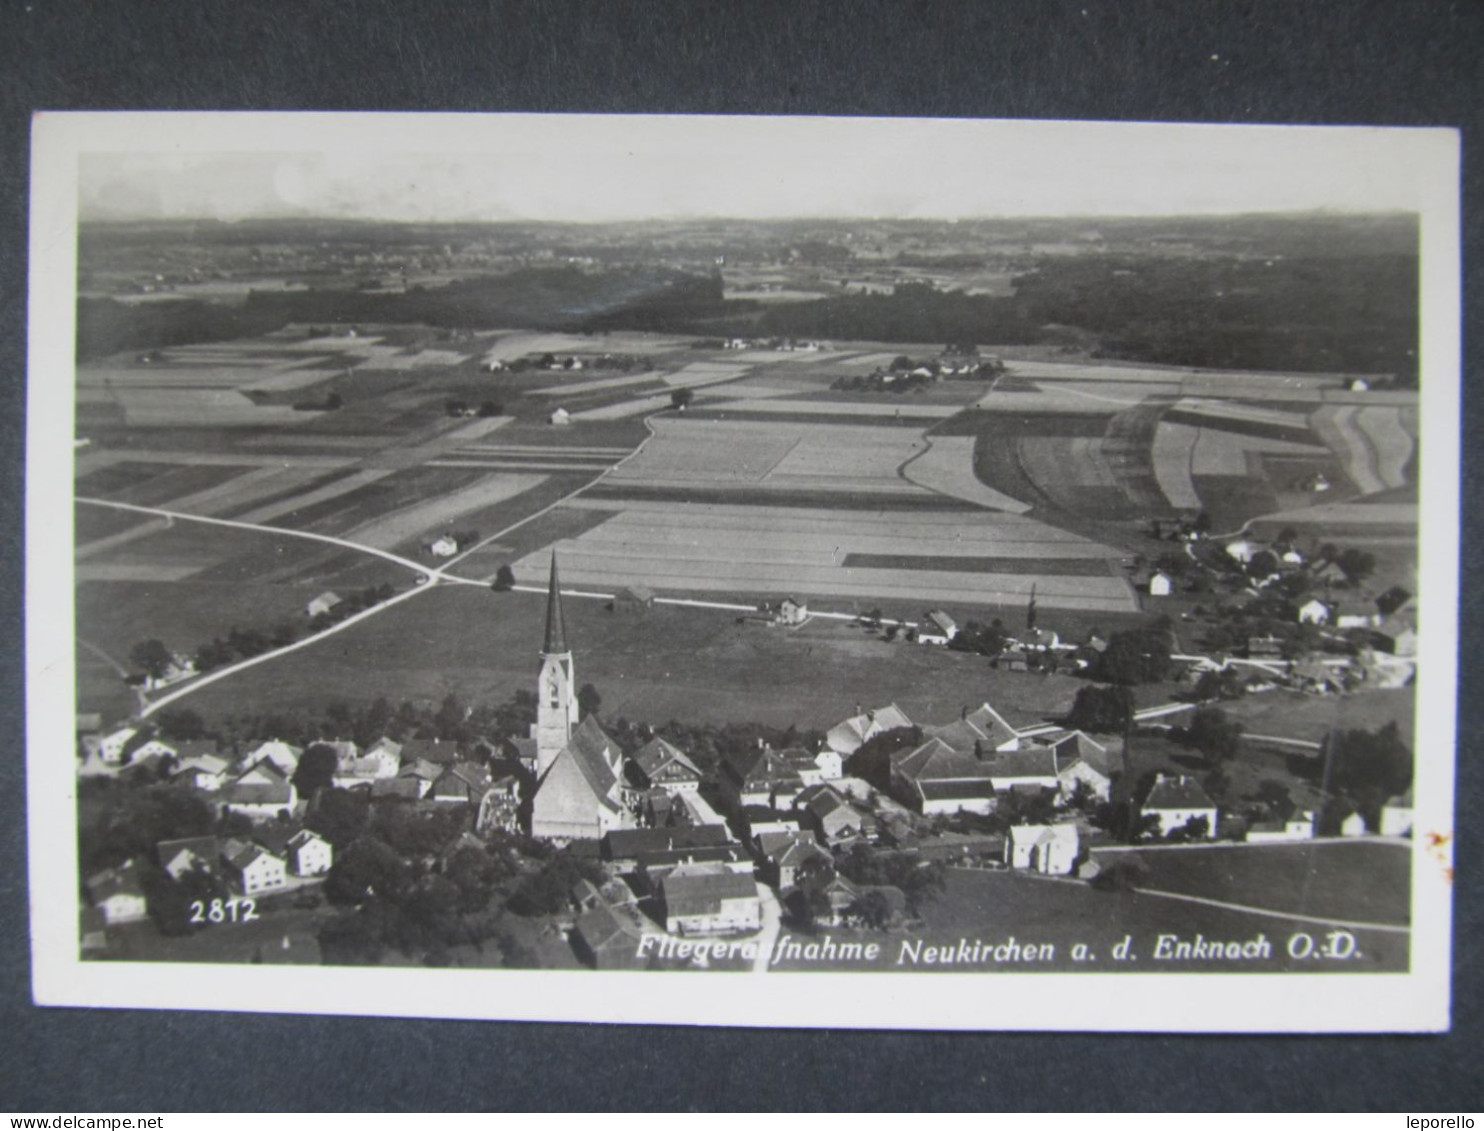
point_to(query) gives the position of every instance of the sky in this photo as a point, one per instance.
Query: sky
(596, 169)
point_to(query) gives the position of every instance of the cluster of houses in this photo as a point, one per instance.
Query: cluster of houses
(259, 785)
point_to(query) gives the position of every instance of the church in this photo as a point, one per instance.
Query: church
(579, 769)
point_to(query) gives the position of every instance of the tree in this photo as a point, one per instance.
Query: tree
(681, 398)
(1195, 828)
(490, 408)
(870, 910)
(1393, 599)
(365, 869)
(504, 579)
(181, 724)
(1264, 563)
(872, 760)
(1357, 565)
(316, 769)
(339, 816)
(152, 658)
(1214, 733)
(1368, 767)
(545, 892)
(588, 700)
(1224, 684)
(1136, 655)
(1104, 710)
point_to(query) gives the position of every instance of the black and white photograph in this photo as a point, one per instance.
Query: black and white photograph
(881, 573)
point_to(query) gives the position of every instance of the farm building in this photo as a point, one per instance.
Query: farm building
(846, 737)
(1300, 826)
(791, 612)
(936, 627)
(1241, 550)
(322, 604)
(1396, 815)
(177, 857)
(1398, 636)
(1177, 799)
(444, 547)
(118, 894)
(1161, 585)
(707, 899)
(560, 416)
(634, 600)
(936, 778)
(1314, 611)
(1048, 849)
(254, 867)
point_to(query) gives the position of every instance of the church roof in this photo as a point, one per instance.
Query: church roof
(556, 624)
(588, 749)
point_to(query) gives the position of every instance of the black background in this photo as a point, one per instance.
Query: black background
(1406, 63)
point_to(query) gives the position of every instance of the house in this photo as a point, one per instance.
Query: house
(1242, 550)
(1176, 799)
(1032, 768)
(309, 854)
(118, 893)
(1353, 825)
(791, 612)
(659, 850)
(92, 931)
(384, 747)
(423, 773)
(111, 746)
(445, 546)
(260, 792)
(463, 783)
(322, 604)
(832, 817)
(610, 937)
(1396, 815)
(936, 778)
(281, 754)
(206, 772)
(254, 868)
(845, 738)
(1313, 675)
(936, 627)
(1313, 611)
(1048, 849)
(1397, 635)
(1359, 385)
(1300, 826)
(660, 765)
(760, 776)
(189, 854)
(708, 899)
(983, 729)
(1161, 585)
(635, 600)
(560, 416)
(784, 852)
(1082, 761)
(830, 765)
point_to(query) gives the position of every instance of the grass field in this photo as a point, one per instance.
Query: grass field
(997, 907)
(691, 664)
(1363, 881)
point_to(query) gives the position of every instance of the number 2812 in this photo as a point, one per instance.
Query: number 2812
(224, 911)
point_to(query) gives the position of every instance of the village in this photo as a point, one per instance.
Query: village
(631, 843)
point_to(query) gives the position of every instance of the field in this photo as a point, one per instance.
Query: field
(997, 907)
(1358, 881)
(727, 548)
(696, 665)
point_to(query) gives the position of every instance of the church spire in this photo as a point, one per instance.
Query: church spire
(556, 624)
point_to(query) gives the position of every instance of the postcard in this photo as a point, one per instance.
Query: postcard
(744, 571)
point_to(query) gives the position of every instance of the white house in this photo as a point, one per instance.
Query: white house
(1313, 611)
(1359, 385)
(177, 857)
(444, 547)
(560, 416)
(1353, 825)
(206, 772)
(309, 853)
(118, 894)
(111, 745)
(792, 612)
(831, 765)
(281, 754)
(322, 604)
(937, 627)
(1161, 585)
(1396, 816)
(254, 867)
(1300, 826)
(1048, 849)
(1241, 550)
(1177, 799)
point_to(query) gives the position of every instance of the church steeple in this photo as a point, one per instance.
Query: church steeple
(556, 686)
(556, 623)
